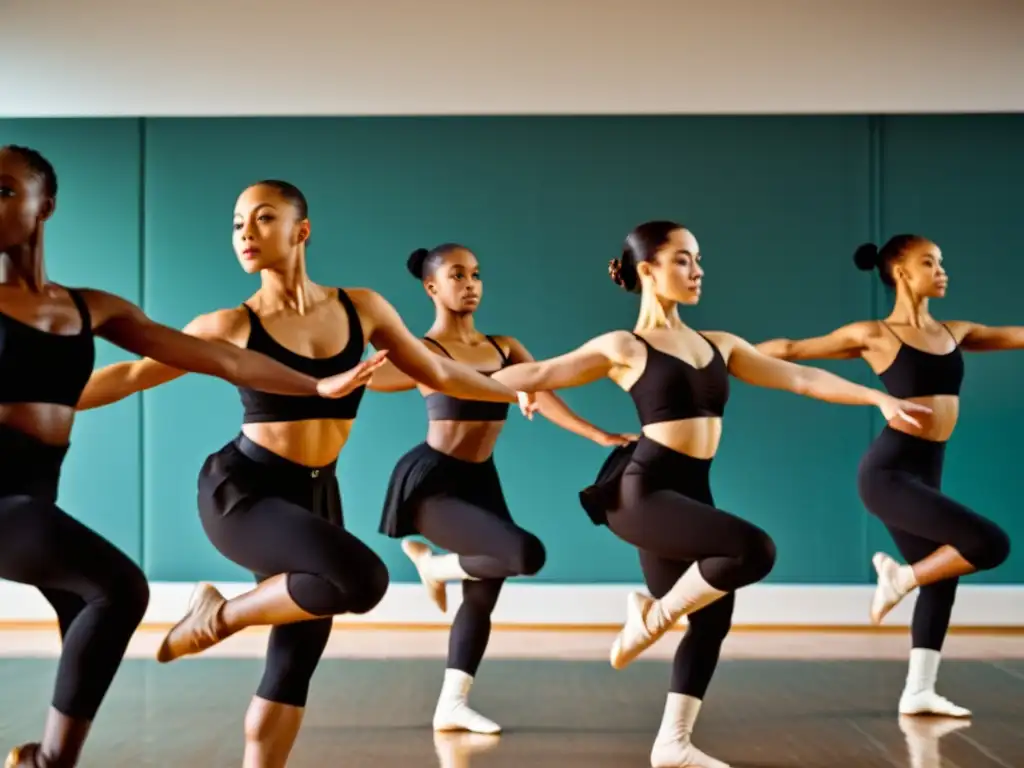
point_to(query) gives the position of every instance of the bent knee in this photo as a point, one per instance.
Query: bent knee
(530, 555)
(373, 584)
(989, 549)
(759, 554)
(128, 596)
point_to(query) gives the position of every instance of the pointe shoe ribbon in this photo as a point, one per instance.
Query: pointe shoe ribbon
(200, 629)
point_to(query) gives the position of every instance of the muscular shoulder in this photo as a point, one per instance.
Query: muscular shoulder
(230, 324)
(373, 309)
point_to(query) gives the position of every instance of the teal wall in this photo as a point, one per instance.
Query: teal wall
(778, 204)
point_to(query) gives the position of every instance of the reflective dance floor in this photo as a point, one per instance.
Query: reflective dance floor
(807, 701)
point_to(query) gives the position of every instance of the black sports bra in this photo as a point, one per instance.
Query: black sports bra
(441, 407)
(671, 389)
(42, 367)
(262, 407)
(916, 373)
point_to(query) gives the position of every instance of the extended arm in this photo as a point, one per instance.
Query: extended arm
(583, 365)
(555, 410)
(986, 338)
(388, 378)
(124, 324)
(115, 382)
(842, 344)
(411, 358)
(748, 364)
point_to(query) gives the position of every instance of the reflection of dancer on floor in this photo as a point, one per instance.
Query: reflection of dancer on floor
(269, 499)
(657, 496)
(918, 358)
(923, 734)
(47, 340)
(455, 749)
(447, 488)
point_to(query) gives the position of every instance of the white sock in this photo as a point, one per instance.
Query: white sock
(672, 746)
(453, 712)
(689, 594)
(648, 619)
(435, 570)
(923, 670)
(919, 696)
(906, 579)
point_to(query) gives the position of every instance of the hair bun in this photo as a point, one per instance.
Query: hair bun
(615, 272)
(866, 257)
(415, 262)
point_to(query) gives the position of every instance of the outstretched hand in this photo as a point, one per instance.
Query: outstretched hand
(528, 403)
(342, 384)
(892, 408)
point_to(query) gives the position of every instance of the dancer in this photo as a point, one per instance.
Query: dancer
(658, 498)
(447, 488)
(899, 479)
(269, 499)
(47, 335)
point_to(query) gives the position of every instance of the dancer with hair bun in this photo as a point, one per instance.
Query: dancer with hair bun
(920, 359)
(447, 488)
(694, 556)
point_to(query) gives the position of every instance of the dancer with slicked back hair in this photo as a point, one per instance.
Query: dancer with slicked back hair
(657, 495)
(269, 499)
(447, 488)
(900, 477)
(47, 336)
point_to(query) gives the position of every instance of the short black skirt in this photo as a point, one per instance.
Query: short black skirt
(425, 472)
(243, 472)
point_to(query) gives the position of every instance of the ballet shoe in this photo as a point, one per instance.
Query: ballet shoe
(928, 702)
(888, 592)
(645, 624)
(24, 756)
(682, 754)
(200, 629)
(453, 712)
(420, 555)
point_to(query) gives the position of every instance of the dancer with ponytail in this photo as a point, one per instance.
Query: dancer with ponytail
(269, 499)
(694, 556)
(920, 359)
(447, 488)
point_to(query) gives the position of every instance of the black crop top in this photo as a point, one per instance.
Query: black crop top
(671, 389)
(262, 407)
(441, 407)
(916, 373)
(42, 367)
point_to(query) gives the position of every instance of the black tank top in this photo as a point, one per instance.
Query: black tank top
(671, 389)
(262, 407)
(916, 373)
(42, 367)
(441, 407)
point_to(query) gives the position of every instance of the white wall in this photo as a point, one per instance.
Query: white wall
(248, 57)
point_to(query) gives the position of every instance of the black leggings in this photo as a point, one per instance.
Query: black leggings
(272, 516)
(491, 548)
(899, 481)
(99, 594)
(667, 512)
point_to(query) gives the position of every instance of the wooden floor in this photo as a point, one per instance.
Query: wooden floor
(785, 706)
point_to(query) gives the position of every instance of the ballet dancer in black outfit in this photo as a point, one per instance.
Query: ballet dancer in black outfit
(447, 488)
(269, 499)
(47, 334)
(899, 480)
(656, 494)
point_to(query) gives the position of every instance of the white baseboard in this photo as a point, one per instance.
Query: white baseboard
(567, 605)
